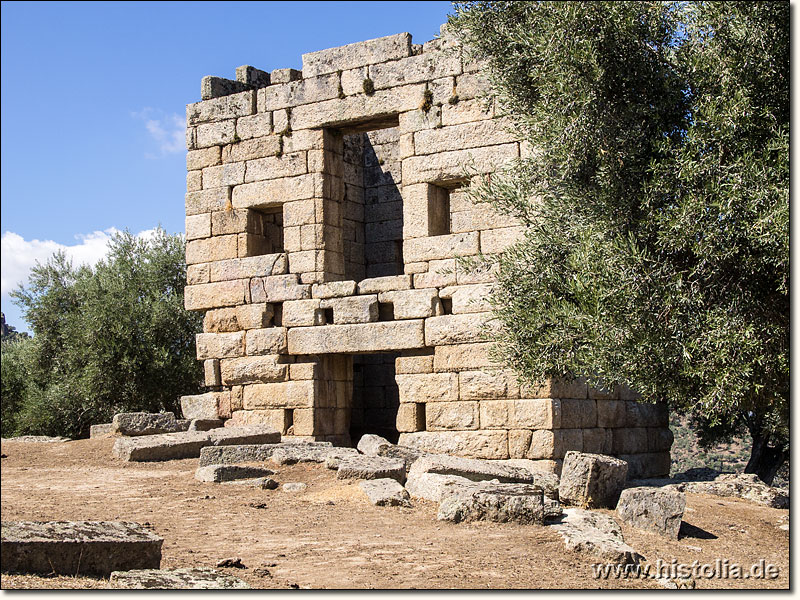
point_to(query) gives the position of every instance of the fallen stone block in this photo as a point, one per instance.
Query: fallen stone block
(220, 473)
(371, 467)
(294, 487)
(746, 486)
(434, 487)
(596, 534)
(654, 509)
(291, 454)
(205, 424)
(483, 470)
(592, 480)
(405, 453)
(170, 446)
(385, 492)
(498, 502)
(200, 578)
(100, 430)
(371, 444)
(77, 547)
(235, 453)
(144, 423)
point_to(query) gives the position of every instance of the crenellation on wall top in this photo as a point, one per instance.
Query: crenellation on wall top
(360, 55)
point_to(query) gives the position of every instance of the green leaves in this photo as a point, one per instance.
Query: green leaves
(109, 339)
(656, 201)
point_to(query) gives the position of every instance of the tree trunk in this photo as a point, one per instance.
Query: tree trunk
(765, 460)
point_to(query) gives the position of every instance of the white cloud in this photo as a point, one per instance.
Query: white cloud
(18, 255)
(167, 130)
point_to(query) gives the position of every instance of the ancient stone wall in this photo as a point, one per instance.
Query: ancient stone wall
(324, 215)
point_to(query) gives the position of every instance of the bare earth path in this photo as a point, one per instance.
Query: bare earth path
(329, 536)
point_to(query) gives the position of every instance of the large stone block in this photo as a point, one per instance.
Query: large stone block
(578, 413)
(655, 509)
(206, 157)
(144, 423)
(499, 240)
(333, 289)
(369, 52)
(302, 313)
(371, 467)
(413, 304)
(273, 167)
(414, 361)
(451, 415)
(252, 369)
(410, 417)
(554, 444)
(415, 69)
(76, 548)
(352, 309)
(214, 295)
(482, 470)
(468, 298)
(555, 388)
(376, 285)
(366, 337)
(203, 406)
(200, 578)
(219, 345)
(441, 247)
(385, 492)
(502, 503)
(294, 93)
(611, 413)
(433, 387)
(274, 191)
(463, 357)
(450, 166)
(220, 109)
(467, 135)
(472, 444)
(222, 473)
(252, 266)
(211, 249)
(459, 329)
(289, 394)
(271, 340)
(630, 440)
(480, 385)
(198, 226)
(592, 480)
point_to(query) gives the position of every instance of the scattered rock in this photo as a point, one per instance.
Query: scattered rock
(371, 444)
(435, 487)
(592, 480)
(77, 547)
(142, 423)
(234, 562)
(200, 578)
(264, 483)
(100, 430)
(262, 572)
(499, 502)
(169, 446)
(294, 487)
(385, 492)
(654, 509)
(597, 534)
(219, 473)
(371, 467)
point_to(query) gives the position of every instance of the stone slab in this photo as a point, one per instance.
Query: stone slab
(246, 453)
(77, 547)
(199, 578)
(371, 467)
(592, 480)
(473, 469)
(170, 446)
(291, 454)
(385, 492)
(220, 473)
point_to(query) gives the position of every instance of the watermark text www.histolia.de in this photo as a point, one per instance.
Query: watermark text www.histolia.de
(721, 568)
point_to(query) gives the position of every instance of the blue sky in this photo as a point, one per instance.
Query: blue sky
(93, 102)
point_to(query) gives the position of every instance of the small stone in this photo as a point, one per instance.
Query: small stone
(294, 487)
(232, 562)
(385, 492)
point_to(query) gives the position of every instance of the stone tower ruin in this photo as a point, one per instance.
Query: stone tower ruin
(325, 214)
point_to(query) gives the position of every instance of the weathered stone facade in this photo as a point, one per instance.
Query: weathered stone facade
(325, 212)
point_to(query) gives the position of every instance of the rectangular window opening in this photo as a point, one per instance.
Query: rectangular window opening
(385, 311)
(263, 231)
(327, 316)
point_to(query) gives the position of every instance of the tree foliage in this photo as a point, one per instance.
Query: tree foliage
(655, 200)
(107, 339)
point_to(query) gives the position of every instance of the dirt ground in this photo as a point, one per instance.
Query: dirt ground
(329, 536)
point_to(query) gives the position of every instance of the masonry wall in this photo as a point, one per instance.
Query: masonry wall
(326, 210)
